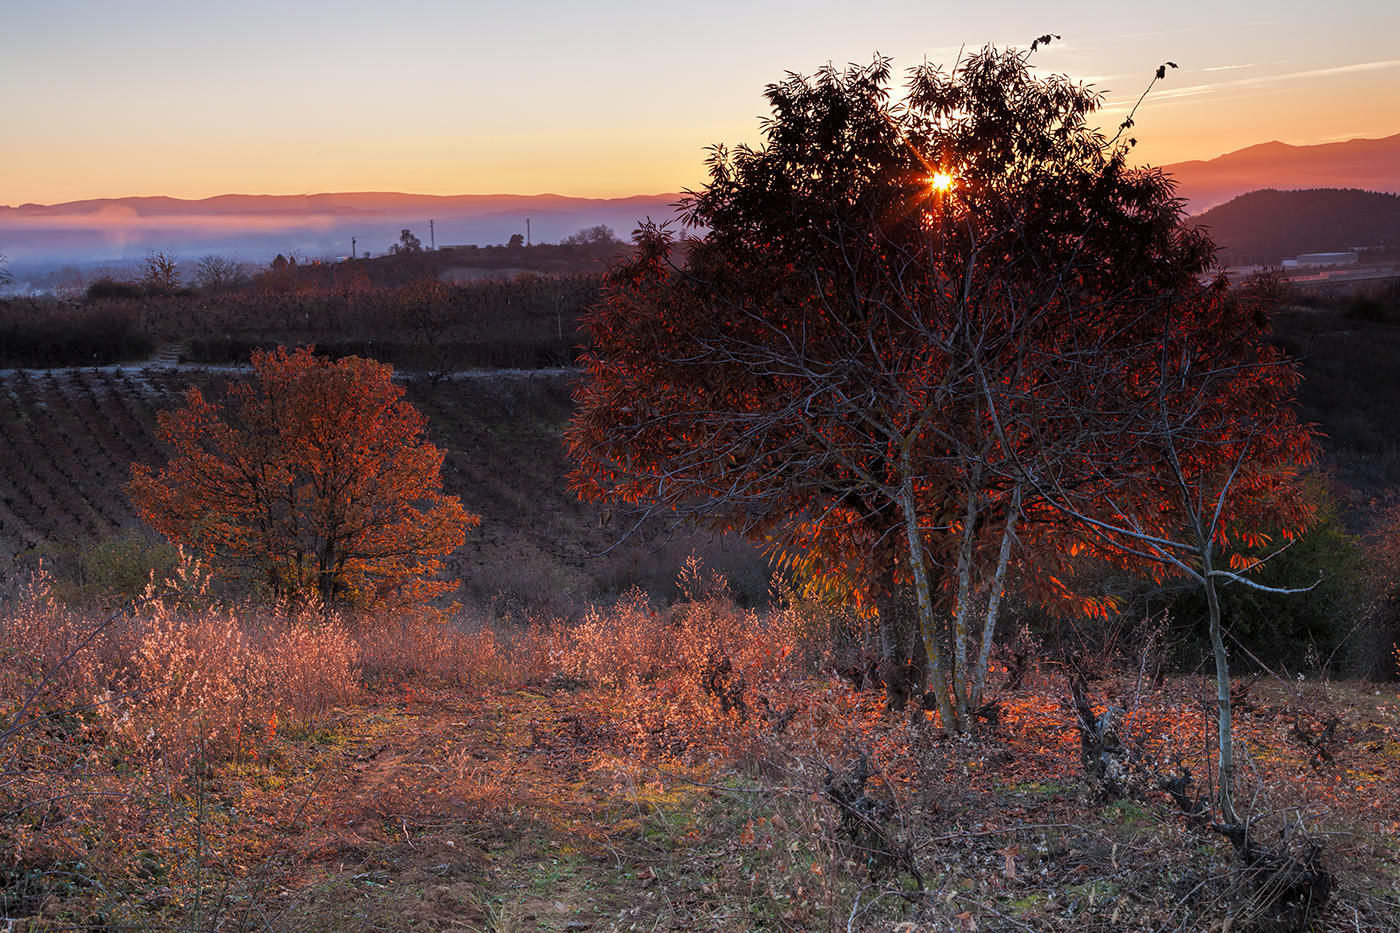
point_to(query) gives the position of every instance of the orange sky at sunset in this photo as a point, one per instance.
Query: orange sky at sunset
(603, 99)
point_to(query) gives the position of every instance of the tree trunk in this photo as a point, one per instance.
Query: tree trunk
(962, 613)
(938, 680)
(899, 633)
(989, 625)
(1224, 720)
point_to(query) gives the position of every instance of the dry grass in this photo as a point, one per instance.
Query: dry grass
(675, 767)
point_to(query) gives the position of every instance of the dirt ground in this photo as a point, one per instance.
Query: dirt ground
(447, 812)
(558, 807)
(533, 809)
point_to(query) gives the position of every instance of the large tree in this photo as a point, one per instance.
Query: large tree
(314, 476)
(886, 293)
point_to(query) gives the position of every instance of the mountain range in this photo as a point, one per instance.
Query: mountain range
(1368, 164)
(254, 227)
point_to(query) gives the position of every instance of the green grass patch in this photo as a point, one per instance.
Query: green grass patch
(1128, 813)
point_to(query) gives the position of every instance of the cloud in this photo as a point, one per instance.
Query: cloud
(114, 219)
(1167, 94)
(1339, 69)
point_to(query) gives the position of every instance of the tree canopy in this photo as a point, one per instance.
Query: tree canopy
(408, 243)
(314, 476)
(160, 273)
(597, 235)
(892, 302)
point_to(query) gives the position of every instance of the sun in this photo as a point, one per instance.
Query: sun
(941, 182)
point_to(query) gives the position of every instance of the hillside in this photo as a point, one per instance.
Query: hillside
(1264, 227)
(1351, 391)
(1371, 164)
(70, 435)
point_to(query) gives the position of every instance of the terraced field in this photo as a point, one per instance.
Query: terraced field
(69, 436)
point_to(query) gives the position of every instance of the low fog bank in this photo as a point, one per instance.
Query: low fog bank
(90, 235)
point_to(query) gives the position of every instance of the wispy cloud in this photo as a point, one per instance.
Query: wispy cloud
(1166, 94)
(1230, 67)
(1340, 69)
(1098, 82)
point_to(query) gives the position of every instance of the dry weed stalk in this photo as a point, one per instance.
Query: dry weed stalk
(113, 727)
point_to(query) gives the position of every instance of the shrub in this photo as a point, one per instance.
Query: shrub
(627, 645)
(43, 334)
(675, 679)
(107, 287)
(1381, 305)
(462, 649)
(191, 682)
(47, 648)
(120, 566)
(1377, 639)
(311, 666)
(176, 678)
(1298, 631)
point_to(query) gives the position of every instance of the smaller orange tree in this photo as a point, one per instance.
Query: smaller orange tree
(314, 477)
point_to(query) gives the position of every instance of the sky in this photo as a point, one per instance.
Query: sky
(609, 98)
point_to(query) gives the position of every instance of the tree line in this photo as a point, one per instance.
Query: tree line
(529, 322)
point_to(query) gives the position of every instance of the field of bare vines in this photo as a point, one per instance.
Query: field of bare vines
(69, 437)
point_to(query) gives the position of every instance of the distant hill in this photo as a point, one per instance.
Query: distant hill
(1370, 164)
(256, 227)
(1265, 227)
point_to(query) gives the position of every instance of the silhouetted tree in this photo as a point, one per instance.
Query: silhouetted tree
(600, 235)
(217, 274)
(160, 273)
(281, 275)
(408, 243)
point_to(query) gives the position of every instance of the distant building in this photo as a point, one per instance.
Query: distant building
(1319, 260)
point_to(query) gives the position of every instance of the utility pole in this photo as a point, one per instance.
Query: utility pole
(527, 231)
(432, 237)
